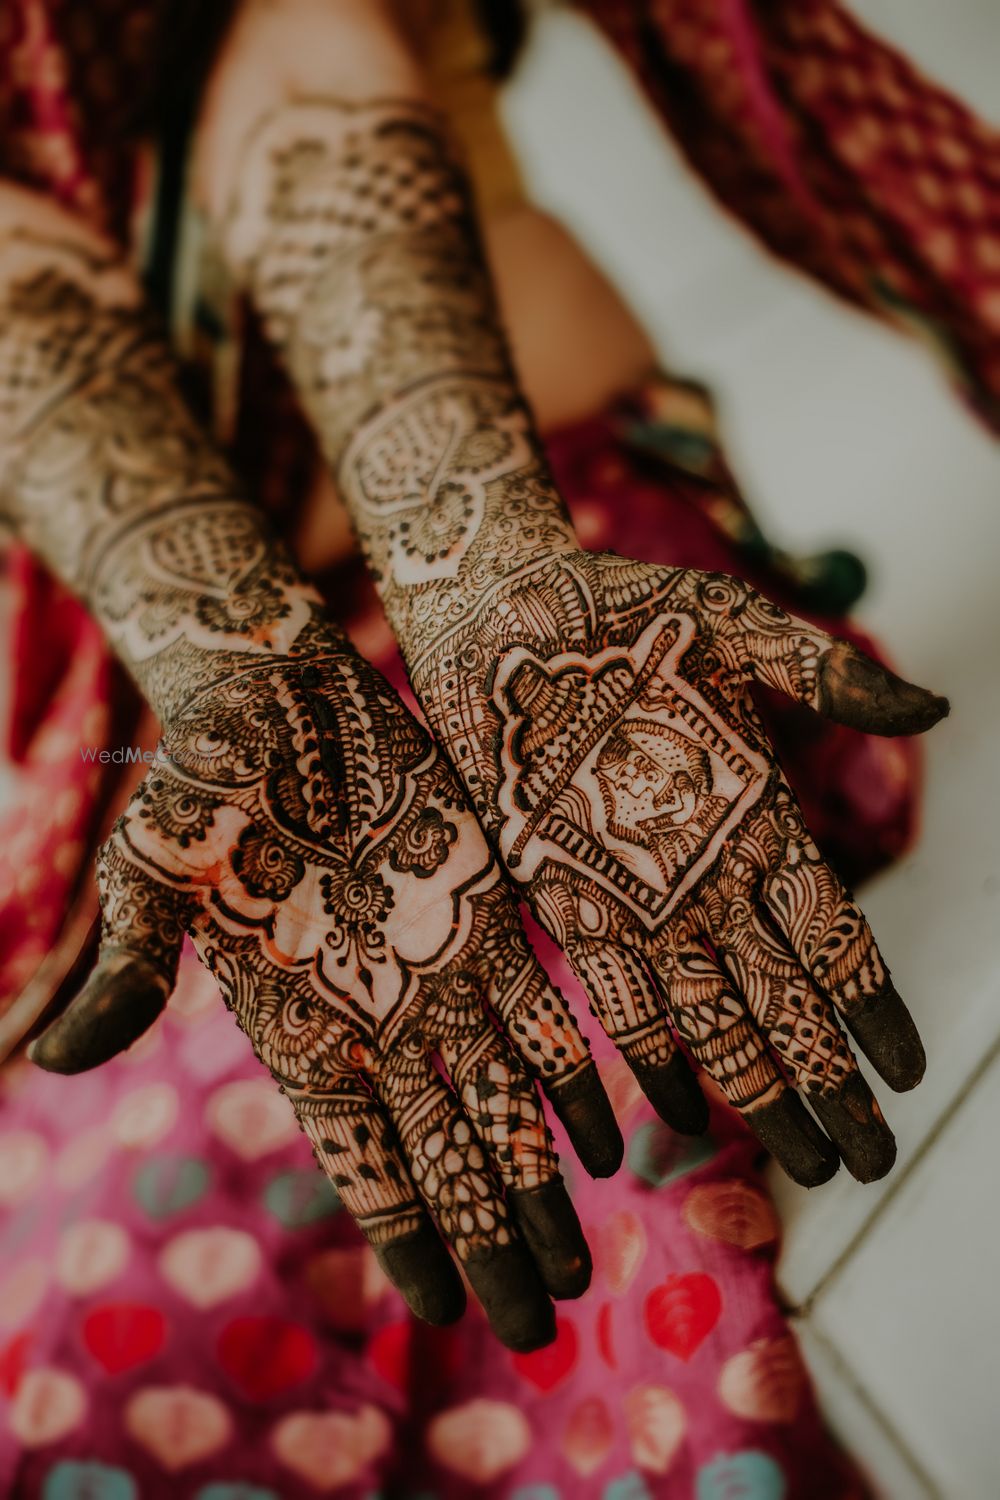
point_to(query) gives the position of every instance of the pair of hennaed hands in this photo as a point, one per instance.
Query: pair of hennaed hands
(321, 851)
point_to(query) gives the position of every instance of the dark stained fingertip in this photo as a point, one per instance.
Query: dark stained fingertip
(788, 1131)
(852, 1118)
(585, 1112)
(421, 1268)
(121, 1000)
(861, 693)
(673, 1091)
(886, 1033)
(507, 1283)
(551, 1230)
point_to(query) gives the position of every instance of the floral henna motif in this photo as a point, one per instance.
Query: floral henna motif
(299, 824)
(598, 710)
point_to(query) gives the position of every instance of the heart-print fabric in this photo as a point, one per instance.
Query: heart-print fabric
(186, 1311)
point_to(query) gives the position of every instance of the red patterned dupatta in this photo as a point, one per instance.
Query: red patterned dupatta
(839, 155)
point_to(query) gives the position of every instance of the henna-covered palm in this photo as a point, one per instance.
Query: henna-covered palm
(305, 830)
(298, 822)
(631, 789)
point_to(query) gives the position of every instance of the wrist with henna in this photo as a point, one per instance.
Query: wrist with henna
(298, 823)
(599, 711)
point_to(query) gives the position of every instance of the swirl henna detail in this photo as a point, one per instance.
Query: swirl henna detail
(298, 823)
(598, 710)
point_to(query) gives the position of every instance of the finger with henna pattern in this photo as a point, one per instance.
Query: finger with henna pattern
(120, 1001)
(355, 1144)
(540, 1027)
(831, 936)
(456, 1179)
(583, 1108)
(799, 1025)
(631, 1010)
(887, 1034)
(831, 675)
(713, 1022)
(852, 1117)
(142, 929)
(863, 694)
(505, 1110)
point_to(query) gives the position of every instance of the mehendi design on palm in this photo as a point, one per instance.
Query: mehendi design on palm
(300, 825)
(313, 841)
(598, 710)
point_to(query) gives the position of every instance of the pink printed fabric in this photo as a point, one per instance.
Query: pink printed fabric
(186, 1311)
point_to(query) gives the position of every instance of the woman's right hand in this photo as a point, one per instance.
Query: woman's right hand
(306, 831)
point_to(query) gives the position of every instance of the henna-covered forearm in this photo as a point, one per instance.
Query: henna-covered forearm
(106, 474)
(351, 226)
(598, 710)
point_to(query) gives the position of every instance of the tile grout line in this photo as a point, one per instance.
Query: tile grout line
(944, 1119)
(845, 1372)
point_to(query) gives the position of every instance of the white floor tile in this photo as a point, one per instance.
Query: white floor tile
(936, 915)
(916, 1314)
(906, 477)
(854, 1419)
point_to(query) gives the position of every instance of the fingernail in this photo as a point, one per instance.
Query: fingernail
(507, 1283)
(852, 1118)
(865, 695)
(788, 1131)
(421, 1268)
(673, 1091)
(887, 1034)
(585, 1112)
(547, 1219)
(121, 1000)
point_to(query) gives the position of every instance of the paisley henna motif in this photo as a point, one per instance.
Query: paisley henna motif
(598, 710)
